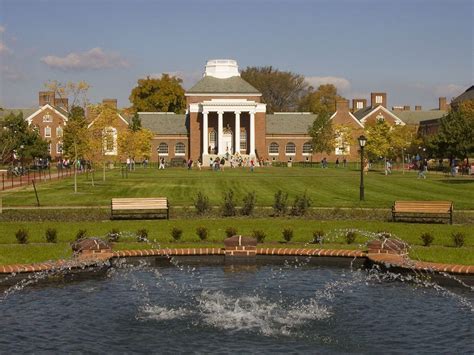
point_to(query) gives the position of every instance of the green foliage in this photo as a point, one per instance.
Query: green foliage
(159, 95)
(230, 232)
(202, 204)
(287, 234)
(321, 100)
(458, 239)
(202, 232)
(228, 207)
(427, 238)
(142, 235)
(281, 90)
(350, 237)
(135, 123)
(322, 134)
(249, 201)
(260, 235)
(75, 133)
(51, 235)
(318, 237)
(81, 233)
(378, 139)
(113, 235)
(176, 233)
(301, 205)
(280, 204)
(22, 235)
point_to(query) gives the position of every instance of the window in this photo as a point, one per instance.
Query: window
(59, 148)
(273, 148)
(380, 118)
(49, 148)
(342, 146)
(59, 131)
(359, 105)
(378, 99)
(47, 118)
(163, 149)
(110, 141)
(179, 149)
(307, 148)
(290, 149)
(243, 141)
(47, 132)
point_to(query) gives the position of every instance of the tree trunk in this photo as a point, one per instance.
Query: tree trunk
(92, 174)
(75, 167)
(103, 172)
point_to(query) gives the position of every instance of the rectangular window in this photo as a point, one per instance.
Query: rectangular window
(49, 148)
(378, 99)
(47, 132)
(59, 148)
(359, 105)
(47, 118)
(59, 132)
(243, 141)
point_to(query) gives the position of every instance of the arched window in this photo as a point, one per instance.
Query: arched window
(307, 148)
(290, 149)
(243, 141)
(47, 118)
(163, 149)
(273, 148)
(110, 141)
(179, 149)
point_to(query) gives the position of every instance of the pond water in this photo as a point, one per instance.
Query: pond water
(291, 306)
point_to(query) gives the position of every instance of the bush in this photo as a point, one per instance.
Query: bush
(383, 235)
(287, 234)
(176, 233)
(81, 233)
(51, 235)
(22, 236)
(427, 239)
(230, 232)
(249, 204)
(202, 203)
(350, 237)
(142, 235)
(280, 203)
(259, 235)
(228, 207)
(458, 239)
(202, 232)
(301, 205)
(113, 235)
(318, 237)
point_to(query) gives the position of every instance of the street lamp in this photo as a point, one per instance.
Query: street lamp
(362, 142)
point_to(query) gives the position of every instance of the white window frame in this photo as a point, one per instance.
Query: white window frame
(243, 140)
(307, 152)
(47, 118)
(47, 132)
(58, 145)
(359, 105)
(59, 131)
(378, 99)
(277, 152)
(164, 144)
(180, 153)
(110, 131)
(289, 153)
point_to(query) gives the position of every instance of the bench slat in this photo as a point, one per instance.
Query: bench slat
(141, 206)
(422, 209)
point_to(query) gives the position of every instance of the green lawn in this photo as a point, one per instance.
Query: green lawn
(326, 187)
(159, 232)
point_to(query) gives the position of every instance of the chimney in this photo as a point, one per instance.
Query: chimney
(62, 102)
(342, 105)
(378, 98)
(358, 104)
(110, 102)
(46, 97)
(417, 108)
(406, 108)
(397, 108)
(443, 106)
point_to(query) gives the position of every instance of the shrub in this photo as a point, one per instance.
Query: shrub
(176, 233)
(228, 207)
(301, 205)
(22, 236)
(458, 239)
(280, 203)
(142, 235)
(427, 239)
(259, 235)
(202, 232)
(383, 235)
(230, 231)
(202, 203)
(81, 233)
(249, 204)
(287, 234)
(51, 235)
(350, 237)
(318, 237)
(113, 235)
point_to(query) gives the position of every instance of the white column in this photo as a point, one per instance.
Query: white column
(252, 133)
(237, 132)
(205, 134)
(220, 132)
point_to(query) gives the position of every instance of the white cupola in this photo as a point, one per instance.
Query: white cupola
(222, 68)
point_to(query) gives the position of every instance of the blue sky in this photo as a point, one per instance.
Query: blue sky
(415, 50)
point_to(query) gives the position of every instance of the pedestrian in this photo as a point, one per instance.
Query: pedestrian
(366, 166)
(128, 163)
(252, 165)
(222, 162)
(337, 163)
(388, 167)
(162, 164)
(344, 162)
(421, 170)
(199, 164)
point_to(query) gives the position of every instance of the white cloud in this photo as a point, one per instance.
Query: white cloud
(2, 29)
(342, 84)
(4, 49)
(95, 58)
(189, 78)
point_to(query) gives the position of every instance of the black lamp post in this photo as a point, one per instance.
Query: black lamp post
(362, 141)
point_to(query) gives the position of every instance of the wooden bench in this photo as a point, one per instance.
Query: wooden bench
(133, 208)
(424, 210)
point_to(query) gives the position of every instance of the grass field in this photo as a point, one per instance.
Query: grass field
(326, 187)
(159, 232)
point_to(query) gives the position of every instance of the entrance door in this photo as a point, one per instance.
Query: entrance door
(227, 140)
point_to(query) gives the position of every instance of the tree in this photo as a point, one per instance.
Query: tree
(163, 95)
(322, 134)
(403, 139)
(135, 123)
(321, 100)
(378, 139)
(136, 144)
(344, 138)
(281, 90)
(76, 92)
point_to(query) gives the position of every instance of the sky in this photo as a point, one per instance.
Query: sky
(415, 50)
